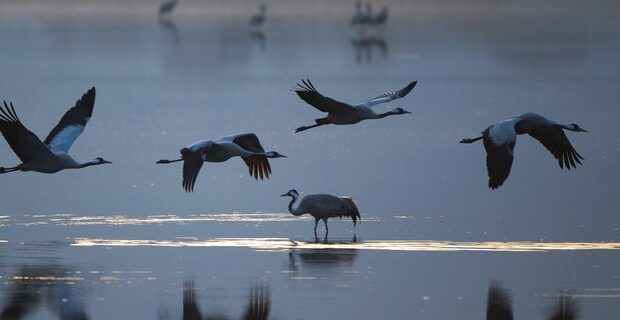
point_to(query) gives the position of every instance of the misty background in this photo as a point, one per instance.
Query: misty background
(160, 88)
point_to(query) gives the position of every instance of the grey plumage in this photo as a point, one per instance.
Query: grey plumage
(323, 207)
(341, 113)
(246, 145)
(500, 140)
(51, 155)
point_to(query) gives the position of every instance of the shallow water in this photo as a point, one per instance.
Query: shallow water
(125, 241)
(119, 267)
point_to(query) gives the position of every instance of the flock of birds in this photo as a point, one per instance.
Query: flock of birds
(51, 155)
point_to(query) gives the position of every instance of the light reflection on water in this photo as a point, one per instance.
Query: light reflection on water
(281, 244)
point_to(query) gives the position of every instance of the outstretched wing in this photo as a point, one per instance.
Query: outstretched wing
(72, 124)
(555, 140)
(310, 95)
(389, 96)
(499, 159)
(258, 166)
(192, 162)
(24, 143)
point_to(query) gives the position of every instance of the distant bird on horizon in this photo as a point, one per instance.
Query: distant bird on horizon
(166, 7)
(258, 19)
(51, 155)
(343, 113)
(322, 207)
(380, 18)
(247, 146)
(500, 139)
(360, 18)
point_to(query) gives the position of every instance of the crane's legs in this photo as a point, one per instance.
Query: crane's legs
(470, 140)
(7, 170)
(326, 228)
(316, 222)
(164, 161)
(309, 127)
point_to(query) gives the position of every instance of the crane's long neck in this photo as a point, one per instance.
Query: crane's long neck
(386, 114)
(88, 164)
(294, 211)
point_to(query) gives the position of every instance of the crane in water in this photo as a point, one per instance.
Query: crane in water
(322, 207)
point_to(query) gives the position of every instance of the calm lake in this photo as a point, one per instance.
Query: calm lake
(124, 241)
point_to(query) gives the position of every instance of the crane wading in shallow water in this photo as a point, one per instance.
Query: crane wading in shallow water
(244, 145)
(344, 113)
(322, 207)
(500, 139)
(49, 156)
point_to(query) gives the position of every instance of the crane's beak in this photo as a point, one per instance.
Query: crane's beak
(405, 111)
(284, 195)
(583, 130)
(106, 161)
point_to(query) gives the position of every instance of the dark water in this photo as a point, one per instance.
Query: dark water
(122, 241)
(121, 267)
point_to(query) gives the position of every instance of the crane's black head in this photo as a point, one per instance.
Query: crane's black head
(576, 127)
(273, 154)
(400, 111)
(101, 161)
(292, 193)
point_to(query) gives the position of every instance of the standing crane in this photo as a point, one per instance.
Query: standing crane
(322, 207)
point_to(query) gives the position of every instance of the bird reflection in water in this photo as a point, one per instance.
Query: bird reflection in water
(258, 307)
(33, 286)
(323, 259)
(364, 46)
(168, 24)
(566, 309)
(499, 305)
(258, 36)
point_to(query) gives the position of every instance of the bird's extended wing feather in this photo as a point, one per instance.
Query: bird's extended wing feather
(192, 162)
(72, 124)
(258, 166)
(499, 160)
(24, 143)
(389, 96)
(555, 140)
(310, 95)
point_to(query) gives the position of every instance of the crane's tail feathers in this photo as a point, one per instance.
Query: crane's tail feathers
(351, 210)
(164, 161)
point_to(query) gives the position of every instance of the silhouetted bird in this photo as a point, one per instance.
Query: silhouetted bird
(166, 7)
(344, 113)
(259, 18)
(244, 145)
(500, 138)
(380, 18)
(360, 18)
(322, 207)
(49, 156)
